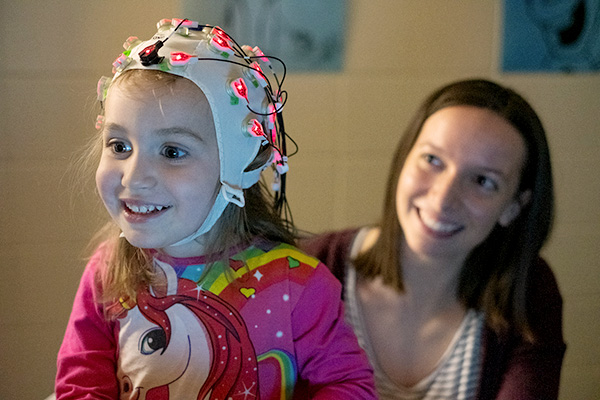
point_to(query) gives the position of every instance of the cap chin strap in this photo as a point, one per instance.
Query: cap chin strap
(226, 195)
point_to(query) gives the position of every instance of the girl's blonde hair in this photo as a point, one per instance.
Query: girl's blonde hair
(127, 268)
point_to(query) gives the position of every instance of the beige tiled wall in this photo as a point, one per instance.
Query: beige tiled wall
(52, 54)
(346, 124)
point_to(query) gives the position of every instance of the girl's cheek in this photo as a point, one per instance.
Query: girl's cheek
(105, 179)
(100, 176)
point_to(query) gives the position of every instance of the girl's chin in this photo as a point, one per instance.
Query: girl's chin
(192, 249)
(143, 241)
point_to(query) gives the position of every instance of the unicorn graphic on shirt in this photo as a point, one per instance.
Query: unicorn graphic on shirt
(184, 343)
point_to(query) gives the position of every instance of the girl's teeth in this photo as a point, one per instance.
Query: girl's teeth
(144, 209)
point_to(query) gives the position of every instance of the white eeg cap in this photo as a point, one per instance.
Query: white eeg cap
(238, 91)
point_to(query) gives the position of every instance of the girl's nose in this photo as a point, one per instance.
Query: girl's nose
(138, 173)
(445, 193)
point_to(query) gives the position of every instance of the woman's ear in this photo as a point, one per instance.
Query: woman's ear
(513, 210)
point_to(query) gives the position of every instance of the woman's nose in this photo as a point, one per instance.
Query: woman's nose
(445, 192)
(138, 173)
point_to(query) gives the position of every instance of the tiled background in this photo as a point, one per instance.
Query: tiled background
(346, 124)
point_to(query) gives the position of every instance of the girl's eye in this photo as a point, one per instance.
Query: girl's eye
(173, 152)
(119, 147)
(486, 183)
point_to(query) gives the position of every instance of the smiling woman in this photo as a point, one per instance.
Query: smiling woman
(459, 180)
(447, 294)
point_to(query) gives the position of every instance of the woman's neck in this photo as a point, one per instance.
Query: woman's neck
(430, 280)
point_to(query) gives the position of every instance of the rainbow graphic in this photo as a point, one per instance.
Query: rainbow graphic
(286, 366)
(255, 258)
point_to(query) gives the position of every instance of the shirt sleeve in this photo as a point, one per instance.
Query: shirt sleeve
(86, 364)
(533, 369)
(331, 248)
(331, 364)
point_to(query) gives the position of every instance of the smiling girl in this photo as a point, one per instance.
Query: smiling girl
(198, 292)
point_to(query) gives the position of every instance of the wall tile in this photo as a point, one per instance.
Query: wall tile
(420, 38)
(580, 383)
(581, 330)
(573, 254)
(41, 205)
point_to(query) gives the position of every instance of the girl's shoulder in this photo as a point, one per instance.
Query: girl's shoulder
(99, 256)
(268, 272)
(97, 263)
(265, 254)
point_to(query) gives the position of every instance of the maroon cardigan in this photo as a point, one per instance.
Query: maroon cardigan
(512, 368)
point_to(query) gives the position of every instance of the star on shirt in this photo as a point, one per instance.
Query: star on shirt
(258, 275)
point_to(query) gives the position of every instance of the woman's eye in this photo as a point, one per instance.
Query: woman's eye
(119, 147)
(431, 159)
(487, 183)
(173, 152)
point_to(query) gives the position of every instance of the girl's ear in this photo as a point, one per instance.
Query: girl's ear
(513, 210)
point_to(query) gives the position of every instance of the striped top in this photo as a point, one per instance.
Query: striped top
(457, 373)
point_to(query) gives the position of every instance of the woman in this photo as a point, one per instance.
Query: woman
(447, 294)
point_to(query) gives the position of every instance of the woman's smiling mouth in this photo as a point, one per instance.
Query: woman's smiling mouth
(439, 228)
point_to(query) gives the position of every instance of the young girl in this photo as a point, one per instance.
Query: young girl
(447, 294)
(200, 294)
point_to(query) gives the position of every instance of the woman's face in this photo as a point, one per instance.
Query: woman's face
(459, 180)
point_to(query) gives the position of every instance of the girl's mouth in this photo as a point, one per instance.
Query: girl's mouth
(143, 209)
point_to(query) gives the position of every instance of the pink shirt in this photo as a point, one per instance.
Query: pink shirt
(268, 324)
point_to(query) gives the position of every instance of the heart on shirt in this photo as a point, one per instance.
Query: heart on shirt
(247, 292)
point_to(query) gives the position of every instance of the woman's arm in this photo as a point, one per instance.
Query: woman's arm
(332, 249)
(531, 370)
